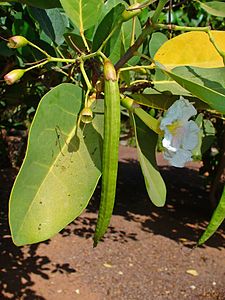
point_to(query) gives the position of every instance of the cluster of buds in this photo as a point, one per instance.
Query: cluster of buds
(15, 42)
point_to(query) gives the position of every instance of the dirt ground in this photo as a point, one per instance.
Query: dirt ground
(147, 253)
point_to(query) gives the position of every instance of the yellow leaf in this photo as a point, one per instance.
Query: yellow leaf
(192, 49)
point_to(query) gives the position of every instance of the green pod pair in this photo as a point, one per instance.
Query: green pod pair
(110, 149)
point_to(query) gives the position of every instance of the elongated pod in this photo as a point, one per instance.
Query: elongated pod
(110, 150)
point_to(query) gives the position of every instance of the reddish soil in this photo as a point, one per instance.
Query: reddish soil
(147, 253)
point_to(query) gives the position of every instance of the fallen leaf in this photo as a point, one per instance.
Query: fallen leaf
(107, 265)
(192, 272)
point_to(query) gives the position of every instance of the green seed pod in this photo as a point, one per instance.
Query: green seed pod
(110, 149)
(86, 115)
(128, 103)
(129, 14)
(13, 76)
(17, 41)
(152, 112)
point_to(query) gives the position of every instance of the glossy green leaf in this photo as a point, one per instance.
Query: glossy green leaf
(163, 94)
(215, 8)
(38, 3)
(60, 170)
(108, 6)
(146, 146)
(106, 26)
(83, 13)
(206, 84)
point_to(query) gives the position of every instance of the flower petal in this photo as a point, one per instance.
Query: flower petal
(179, 158)
(181, 109)
(191, 138)
(167, 142)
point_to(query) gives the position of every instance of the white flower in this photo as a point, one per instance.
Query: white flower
(181, 136)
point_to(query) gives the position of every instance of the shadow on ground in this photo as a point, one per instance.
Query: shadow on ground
(17, 264)
(183, 219)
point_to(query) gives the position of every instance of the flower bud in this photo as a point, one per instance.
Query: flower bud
(17, 41)
(86, 115)
(13, 76)
(109, 71)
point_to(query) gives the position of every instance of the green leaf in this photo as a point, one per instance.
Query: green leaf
(60, 23)
(209, 135)
(107, 7)
(106, 26)
(206, 84)
(156, 41)
(217, 218)
(60, 170)
(146, 145)
(215, 8)
(38, 3)
(83, 13)
(52, 22)
(126, 37)
(163, 94)
(76, 42)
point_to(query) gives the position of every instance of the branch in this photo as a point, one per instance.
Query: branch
(147, 31)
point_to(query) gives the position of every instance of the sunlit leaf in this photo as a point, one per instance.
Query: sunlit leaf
(61, 168)
(206, 84)
(192, 49)
(83, 13)
(146, 141)
(163, 94)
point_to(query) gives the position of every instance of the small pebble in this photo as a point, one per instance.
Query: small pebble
(130, 265)
(193, 287)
